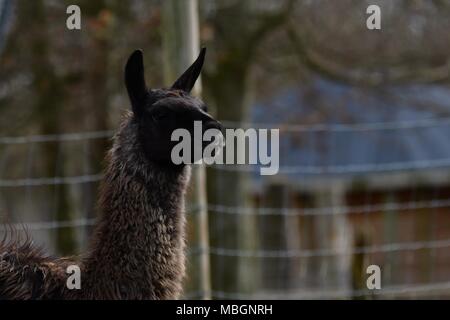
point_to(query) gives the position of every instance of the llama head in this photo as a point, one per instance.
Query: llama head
(159, 112)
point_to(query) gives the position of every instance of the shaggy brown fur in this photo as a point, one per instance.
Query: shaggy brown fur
(27, 273)
(144, 229)
(137, 250)
(138, 245)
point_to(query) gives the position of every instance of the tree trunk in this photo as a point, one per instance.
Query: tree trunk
(181, 47)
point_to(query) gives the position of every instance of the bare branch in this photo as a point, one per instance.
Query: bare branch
(383, 73)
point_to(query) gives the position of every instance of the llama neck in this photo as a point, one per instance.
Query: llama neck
(138, 247)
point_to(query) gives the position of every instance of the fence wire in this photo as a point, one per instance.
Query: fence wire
(436, 245)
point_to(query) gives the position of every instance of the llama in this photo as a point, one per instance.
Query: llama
(137, 250)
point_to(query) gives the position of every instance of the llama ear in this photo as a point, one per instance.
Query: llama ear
(135, 81)
(187, 80)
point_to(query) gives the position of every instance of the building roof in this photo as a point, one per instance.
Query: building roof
(328, 128)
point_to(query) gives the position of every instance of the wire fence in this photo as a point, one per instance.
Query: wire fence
(295, 241)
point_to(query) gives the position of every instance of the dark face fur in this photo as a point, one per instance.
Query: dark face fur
(159, 112)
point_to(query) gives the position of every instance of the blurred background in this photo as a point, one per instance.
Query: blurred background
(364, 119)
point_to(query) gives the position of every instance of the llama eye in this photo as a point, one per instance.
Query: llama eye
(159, 116)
